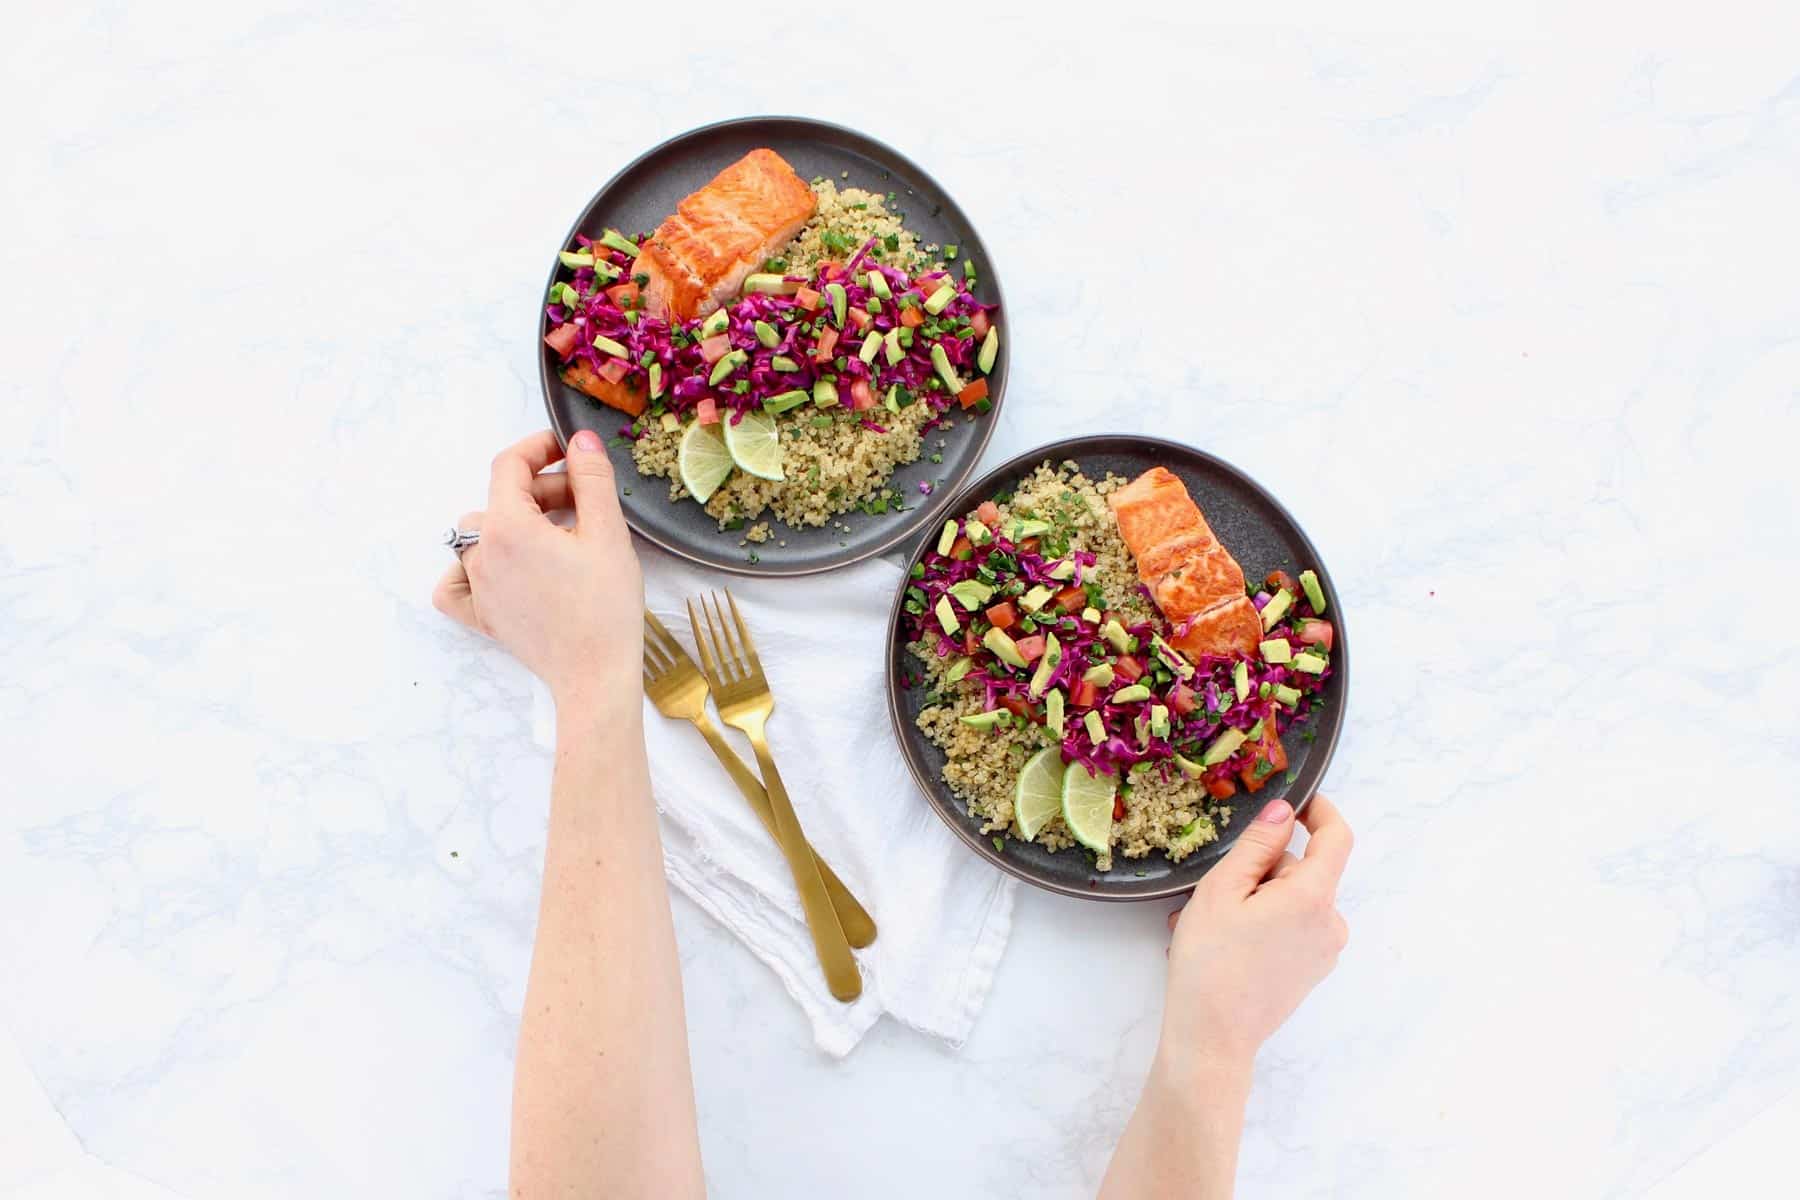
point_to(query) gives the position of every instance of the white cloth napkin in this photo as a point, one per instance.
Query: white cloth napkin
(943, 915)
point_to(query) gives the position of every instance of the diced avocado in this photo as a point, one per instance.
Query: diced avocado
(958, 669)
(1159, 720)
(1053, 711)
(1064, 570)
(1003, 647)
(1091, 615)
(879, 285)
(765, 333)
(947, 538)
(670, 422)
(840, 303)
(605, 270)
(986, 720)
(656, 380)
(939, 300)
(890, 346)
(946, 615)
(1130, 694)
(620, 242)
(977, 533)
(1286, 695)
(1026, 527)
(770, 285)
(782, 362)
(1141, 727)
(1036, 598)
(1100, 675)
(892, 403)
(606, 345)
(1315, 595)
(990, 346)
(576, 259)
(1312, 664)
(940, 362)
(1189, 767)
(1096, 728)
(1277, 607)
(725, 366)
(1116, 636)
(1171, 658)
(1276, 650)
(872, 306)
(1255, 730)
(870, 347)
(563, 294)
(824, 393)
(1240, 677)
(1046, 667)
(971, 593)
(783, 401)
(1222, 747)
(717, 322)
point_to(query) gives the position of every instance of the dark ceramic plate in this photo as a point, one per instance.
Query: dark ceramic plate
(1262, 536)
(646, 191)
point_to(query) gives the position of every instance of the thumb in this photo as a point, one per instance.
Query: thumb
(1258, 848)
(591, 482)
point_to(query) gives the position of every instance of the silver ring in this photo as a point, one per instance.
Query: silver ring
(461, 539)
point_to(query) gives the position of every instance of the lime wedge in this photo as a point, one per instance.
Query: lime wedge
(704, 461)
(1087, 806)
(755, 445)
(1037, 796)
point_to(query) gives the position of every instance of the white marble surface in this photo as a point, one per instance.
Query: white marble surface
(1509, 320)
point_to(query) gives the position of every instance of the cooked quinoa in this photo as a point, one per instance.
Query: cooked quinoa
(832, 462)
(1164, 809)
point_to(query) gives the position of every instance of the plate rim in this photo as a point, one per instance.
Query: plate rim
(922, 513)
(945, 805)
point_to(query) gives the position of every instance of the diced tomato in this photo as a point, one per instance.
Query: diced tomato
(1003, 615)
(1030, 648)
(1315, 632)
(1082, 694)
(862, 396)
(1018, 707)
(828, 338)
(1268, 750)
(1128, 668)
(1071, 599)
(912, 316)
(808, 299)
(1118, 808)
(1221, 789)
(1029, 545)
(979, 323)
(1183, 699)
(623, 294)
(830, 268)
(562, 339)
(1281, 579)
(971, 643)
(988, 513)
(707, 411)
(961, 549)
(860, 319)
(714, 348)
(613, 370)
(973, 393)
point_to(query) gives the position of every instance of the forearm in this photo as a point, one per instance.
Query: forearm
(602, 1097)
(1182, 1139)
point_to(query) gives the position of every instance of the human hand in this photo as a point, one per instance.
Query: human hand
(1260, 931)
(565, 602)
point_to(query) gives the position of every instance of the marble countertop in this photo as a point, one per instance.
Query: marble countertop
(1509, 321)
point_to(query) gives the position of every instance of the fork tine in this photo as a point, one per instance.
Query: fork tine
(665, 640)
(729, 645)
(655, 660)
(743, 632)
(701, 631)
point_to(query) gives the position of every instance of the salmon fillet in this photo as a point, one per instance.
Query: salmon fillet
(1194, 580)
(622, 395)
(697, 259)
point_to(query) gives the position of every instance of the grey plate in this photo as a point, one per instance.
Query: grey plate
(1262, 536)
(646, 191)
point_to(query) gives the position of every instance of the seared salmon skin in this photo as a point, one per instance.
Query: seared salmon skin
(1193, 579)
(697, 259)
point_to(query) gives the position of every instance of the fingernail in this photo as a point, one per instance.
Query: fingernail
(1275, 812)
(587, 441)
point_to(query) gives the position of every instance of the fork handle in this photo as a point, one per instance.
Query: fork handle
(853, 918)
(841, 975)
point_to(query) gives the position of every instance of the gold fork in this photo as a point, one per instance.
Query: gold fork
(741, 692)
(674, 684)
